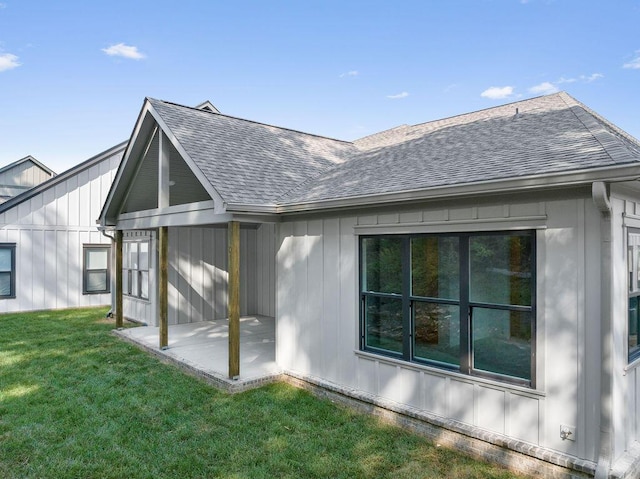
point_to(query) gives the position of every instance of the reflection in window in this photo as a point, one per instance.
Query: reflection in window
(7, 270)
(135, 269)
(461, 301)
(96, 278)
(633, 264)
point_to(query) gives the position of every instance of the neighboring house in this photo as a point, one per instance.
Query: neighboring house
(51, 252)
(21, 176)
(480, 272)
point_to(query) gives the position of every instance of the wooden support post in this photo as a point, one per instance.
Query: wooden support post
(163, 280)
(234, 298)
(118, 305)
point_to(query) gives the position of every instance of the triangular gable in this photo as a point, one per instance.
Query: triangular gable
(27, 172)
(135, 187)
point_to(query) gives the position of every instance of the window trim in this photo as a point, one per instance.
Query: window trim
(464, 302)
(12, 283)
(634, 275)
(129, 271)
(95, 246)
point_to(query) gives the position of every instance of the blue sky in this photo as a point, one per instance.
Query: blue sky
(74, 74)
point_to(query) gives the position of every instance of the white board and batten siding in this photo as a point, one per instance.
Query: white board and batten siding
(49, 230)
(198, 275)
(626, 377)
(318, 318)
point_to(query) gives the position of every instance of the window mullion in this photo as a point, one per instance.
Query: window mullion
(407, 326)
(466, 353)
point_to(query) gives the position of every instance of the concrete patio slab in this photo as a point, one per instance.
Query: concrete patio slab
(202, 349)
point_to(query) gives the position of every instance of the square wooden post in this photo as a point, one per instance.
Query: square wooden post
(163, 280)
(234, 298)
(118, 305)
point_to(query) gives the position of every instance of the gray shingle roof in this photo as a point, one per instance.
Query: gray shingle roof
(257, 164)
(549, 134)
(249, 162)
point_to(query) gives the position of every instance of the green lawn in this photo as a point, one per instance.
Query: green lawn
(76, 402)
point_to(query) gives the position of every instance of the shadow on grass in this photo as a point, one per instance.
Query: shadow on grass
(77, 402)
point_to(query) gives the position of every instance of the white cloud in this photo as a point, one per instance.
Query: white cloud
(544, 88)
(497, 92)
(352, 73)
(8, 61)
(592, 77)
(122, 50)
(404, 94)
(633, 64)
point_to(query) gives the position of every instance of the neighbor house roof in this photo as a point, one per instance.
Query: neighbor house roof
(57, 179)
(26, 159)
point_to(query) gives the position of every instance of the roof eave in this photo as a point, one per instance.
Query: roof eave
(490, 187)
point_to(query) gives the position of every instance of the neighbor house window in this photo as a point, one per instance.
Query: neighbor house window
(464, 302)
(96, 270)
(7, 270)
(135, 269)
(633, 264)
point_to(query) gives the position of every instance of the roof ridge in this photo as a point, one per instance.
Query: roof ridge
(252, 121)
(56, 179)
(588, 117)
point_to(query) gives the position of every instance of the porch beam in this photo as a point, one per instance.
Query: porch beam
(163, 172)
(163, 280)
(234, 298)
(118, 305)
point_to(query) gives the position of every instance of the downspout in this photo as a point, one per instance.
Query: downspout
(113, 293)
(601, 200)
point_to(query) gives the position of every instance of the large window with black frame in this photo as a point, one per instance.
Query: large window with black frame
(463, 301)
(135, 269)
(633, 265)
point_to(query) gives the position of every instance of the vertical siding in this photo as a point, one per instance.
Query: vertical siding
(198, 273)
(49, 230)
(318, 323)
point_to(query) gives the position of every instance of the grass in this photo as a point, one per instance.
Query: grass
(76, 402)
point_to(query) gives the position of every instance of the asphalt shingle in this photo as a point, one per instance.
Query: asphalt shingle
(254, 163)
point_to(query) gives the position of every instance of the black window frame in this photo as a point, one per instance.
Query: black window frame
(129, 271)
(12, 282)
(633, 289)
(94, 247)
(464, 302)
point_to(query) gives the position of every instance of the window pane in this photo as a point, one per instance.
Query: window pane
(144, 255)
(133, 255)
(502, 342)
(383, 323)
(5, 259)
(134, 283)
(125, 255)
(382, 265)
(144, 284)
(5, 284)
(125, 281)
(437, 332)
(96, 281)
(435, 268)
(96, 258)
(500, 269)
(634, 318)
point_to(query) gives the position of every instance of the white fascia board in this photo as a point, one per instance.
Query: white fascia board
(182, 215)
(490, 187)
(217, 198)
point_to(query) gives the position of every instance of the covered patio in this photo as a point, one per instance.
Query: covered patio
(202, 349)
